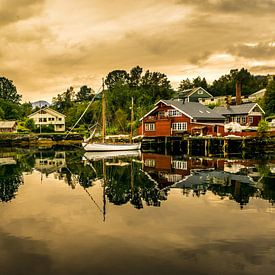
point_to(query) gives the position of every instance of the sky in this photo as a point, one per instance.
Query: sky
(47, 46)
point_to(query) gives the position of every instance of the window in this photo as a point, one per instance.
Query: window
(179, 126)
(179, 164)
(174, 112)
(200, 92)
(60, 119)
(161, 114)
(150, 127)
(150, 163)
(243, 119)
(238, 119)
(251, 119)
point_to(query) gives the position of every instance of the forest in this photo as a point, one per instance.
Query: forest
(120, 86)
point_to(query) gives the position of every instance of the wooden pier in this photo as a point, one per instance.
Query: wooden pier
(209, 146)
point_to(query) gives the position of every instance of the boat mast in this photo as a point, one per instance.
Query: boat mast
(132, 121)
(103, 113)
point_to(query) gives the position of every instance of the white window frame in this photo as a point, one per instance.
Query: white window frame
(150, 162)
(243, 119)
(238, 119)
(251, 119)
(174, 113)
(150, 127)
(179, 164)
(200, 92)
(179, 126)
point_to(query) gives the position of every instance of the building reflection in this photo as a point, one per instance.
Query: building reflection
(238, 180)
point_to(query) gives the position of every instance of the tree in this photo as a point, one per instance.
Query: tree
(8, 91)
(2, 113)
(262, 127)
(84, 94)
(116, 77)
(64, 101)
(196, 82)
(226, 84)
(29, 123)
(185, 85)
(269, 98)
(200, 82)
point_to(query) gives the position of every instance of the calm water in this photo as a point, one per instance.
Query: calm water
(63, 212)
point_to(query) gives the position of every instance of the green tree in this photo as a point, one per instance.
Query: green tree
(185, 85)
(269, 98)
(196, 82)
(29, 123)
(64, 101)
(8, 91)
(84, 94)
(2, 113)
(262, 127)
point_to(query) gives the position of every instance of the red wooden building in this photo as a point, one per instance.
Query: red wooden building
(174, 118)
(248, 114)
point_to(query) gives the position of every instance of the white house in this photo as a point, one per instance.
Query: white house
(48, 116)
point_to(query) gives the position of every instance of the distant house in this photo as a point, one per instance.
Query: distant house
(174, 118)
(257, 95)
(40, 104)
(48, 116)
(8, 126)
(193, 95)
(248, 114)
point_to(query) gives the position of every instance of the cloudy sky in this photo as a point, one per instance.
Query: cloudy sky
(49, 45)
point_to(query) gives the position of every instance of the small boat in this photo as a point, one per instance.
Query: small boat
(108, 147)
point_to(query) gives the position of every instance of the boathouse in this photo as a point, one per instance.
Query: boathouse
(176, 118)
(248, 114)
(8, 126)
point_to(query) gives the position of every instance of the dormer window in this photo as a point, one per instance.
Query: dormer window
(174, 112)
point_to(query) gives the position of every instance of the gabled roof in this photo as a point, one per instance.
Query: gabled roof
(258, 93)
(189, 92)
(51, 111)
(193, 110)
(241, 109)
(7, 124)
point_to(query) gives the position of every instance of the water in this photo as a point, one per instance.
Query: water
(61, 213)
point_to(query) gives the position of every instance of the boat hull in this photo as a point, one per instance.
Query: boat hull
(93, 156)
(106, 147)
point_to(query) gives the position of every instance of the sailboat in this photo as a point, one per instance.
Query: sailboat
(108, 147)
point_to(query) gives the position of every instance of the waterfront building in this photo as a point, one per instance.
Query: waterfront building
(48, 116)
(176, 118)
(8, 126)
(248, 114)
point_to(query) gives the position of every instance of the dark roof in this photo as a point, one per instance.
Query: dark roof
(235, 110)
(194, 110)
(40, 104)
(188, 92)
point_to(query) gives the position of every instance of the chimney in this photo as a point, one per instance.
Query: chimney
(238, 93)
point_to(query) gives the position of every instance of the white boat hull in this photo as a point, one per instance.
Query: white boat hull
(107, 147)
(93, 156)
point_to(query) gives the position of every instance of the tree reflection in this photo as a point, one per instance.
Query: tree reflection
(10, 180)
(129, 184)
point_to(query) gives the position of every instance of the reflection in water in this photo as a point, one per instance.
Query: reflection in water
(237, 179)
(143, 179)
(55, 223)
